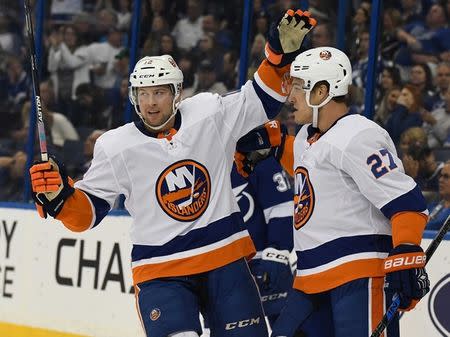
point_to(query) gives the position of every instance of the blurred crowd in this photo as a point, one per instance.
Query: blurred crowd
(85, 65)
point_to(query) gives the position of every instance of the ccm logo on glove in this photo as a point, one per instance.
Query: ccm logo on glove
(405, 262)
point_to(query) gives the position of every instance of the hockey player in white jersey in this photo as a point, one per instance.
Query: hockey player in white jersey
(358, 217)
(173, 166)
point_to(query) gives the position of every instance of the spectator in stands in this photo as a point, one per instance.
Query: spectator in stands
(104, 57)
(12, 172)
(421, 165)
(19, 83)
(322, 35)
(119, 99)
(59, 127)
(406, 114)
(229, 75)
(392, 20)
(88, 151)
(151, 43)
(425, 46)
(207, 80)
(411, 12)
(9, 41)
(106, 21)
(68, 64)
(91, 108)
(188, 30)
(390, 78)
(83, 24)
(442, 82)
(360, 63)
(256, 54)
(168, 46)
(387, 105)
(223, 37)
(186, 62)
(414, 136)
(207, 50)
(437, 123)
(440, 210)
(422, 79)
(260, 24)
(124, 15)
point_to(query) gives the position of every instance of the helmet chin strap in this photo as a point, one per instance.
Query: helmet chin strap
(161, 126)
(315, 108)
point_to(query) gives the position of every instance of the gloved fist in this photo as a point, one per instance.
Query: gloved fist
(286, 38)
(51, 187)
(406, 275)
(274, 278)
(263, 141)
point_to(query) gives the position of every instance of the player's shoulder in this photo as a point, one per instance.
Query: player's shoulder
(353, 130)
(116, 139)
(200, 105)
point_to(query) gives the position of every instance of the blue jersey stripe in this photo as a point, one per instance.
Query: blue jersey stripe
(270, 104)
(101, 207)
(341, 247)
(215, 231)
(412, 201)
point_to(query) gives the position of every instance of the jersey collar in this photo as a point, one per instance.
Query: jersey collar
(141, 127)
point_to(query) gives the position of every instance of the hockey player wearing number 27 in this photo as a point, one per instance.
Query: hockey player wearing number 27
(173, 166)
(357, 216)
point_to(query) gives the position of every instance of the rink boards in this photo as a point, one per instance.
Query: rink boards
(57, 283)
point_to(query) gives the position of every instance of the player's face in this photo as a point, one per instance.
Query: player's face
(297, 97)
(155, 104)
(444, 181)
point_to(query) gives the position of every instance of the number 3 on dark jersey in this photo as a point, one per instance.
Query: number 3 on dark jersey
(377, 166)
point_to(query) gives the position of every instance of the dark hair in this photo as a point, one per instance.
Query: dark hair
(428, 75)
(419, 151)
(395, 74)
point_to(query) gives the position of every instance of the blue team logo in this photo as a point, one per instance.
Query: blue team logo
(304, 199)
(183, 190)
(438, 305)
(245, 201)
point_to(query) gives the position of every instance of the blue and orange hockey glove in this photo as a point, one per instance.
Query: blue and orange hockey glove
(406, 275)
(286, 37)
(51, 187)
(263, 141)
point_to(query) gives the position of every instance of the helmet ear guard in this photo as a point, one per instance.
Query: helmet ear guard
(323, 64)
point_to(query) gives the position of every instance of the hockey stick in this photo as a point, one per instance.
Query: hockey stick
(390, 313)
(35, 80)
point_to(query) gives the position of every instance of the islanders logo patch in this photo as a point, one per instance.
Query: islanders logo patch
(183, 190)
(304, 199)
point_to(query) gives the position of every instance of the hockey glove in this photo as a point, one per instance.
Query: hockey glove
(274, 278)
(264, 141)
(406, 275)
(286, 37)
(51, 187)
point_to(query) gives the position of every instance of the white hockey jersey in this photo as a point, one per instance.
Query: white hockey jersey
(348, 184)
(178, 192)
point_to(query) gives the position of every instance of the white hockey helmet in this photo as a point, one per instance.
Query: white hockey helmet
(323, 64)
(152, 71)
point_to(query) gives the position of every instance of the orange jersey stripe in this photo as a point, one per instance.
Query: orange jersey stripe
(200, 263)
(77, 213)
(272, 76)
(287, 158)
(377, 301)
(339, 275)
(407, 227)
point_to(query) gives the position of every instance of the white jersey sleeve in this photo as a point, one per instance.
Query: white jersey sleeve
(370, 158)
(100, 180)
